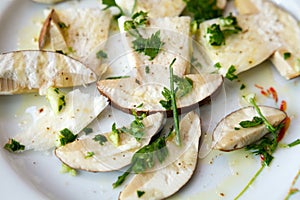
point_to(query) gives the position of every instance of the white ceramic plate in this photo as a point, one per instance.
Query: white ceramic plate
(36, 175)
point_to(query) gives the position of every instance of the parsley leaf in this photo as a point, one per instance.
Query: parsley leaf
(167, 103)
(230, 73)
(89, 154)
(112, 3)
(87, 130)
(100, 138)
(203, 9)
(286, 55)
(136, 127)
(230, 25)
(149, 46)
(13, 146)
(140, 193)
(101, 54)
(256, 121)
(114, 135)
(66, 136)
(144, 158)
(184, 86)
(215, 35)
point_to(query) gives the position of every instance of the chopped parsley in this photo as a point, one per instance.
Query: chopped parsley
(112, 3)
(286, 55)
(145, 158)
(140, 105)
(87, 130)
(100, 138)
(89, 154)
(256, 121)
(14, 146)
(148, 46)
(243, 86)
(230, 73)
(101, 54)
(166, 103)
(218, 65)
(140, 193)
(66, 136)
(62, 25)
(56, 99)
(216, 33)
(203, 9)
(184, 86)
(147, 69)
(137, 127)
(66, 169)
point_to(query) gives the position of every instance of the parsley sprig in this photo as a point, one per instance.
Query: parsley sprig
(203, 9)
(265, 147)
(112, 3)
(145, 158)
(148, 46)
(137, 127)
(216, 33)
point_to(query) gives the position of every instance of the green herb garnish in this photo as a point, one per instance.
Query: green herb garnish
(56, 99)
(145, 158)
(230, 73)
(87, 130)
(256, 121)
(140, 193)
(136, 127)
(100, 138)
(62, 25)
(117, 77)
(184, 86)
(218, 65)
(167, 103)
(215, 35)
(286, 55)
(14, 146)
(243, 86)
(203, 9)
(89, 154)
(149, 46)
(101, 54)
(147, 69)
(66, 136)
(112, 3)
(292, 144)
(66, 169)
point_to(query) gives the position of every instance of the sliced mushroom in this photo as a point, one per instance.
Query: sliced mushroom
(244, 50)
(43, 133)
(228, 135)
(129, 94)
(79, 33)
(154, 8)
(27, 71)
(107, 157)
(285, 28)
(175, 172)
(174, 33)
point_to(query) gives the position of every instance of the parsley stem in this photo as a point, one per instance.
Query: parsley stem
(250, 182)
(174, 106)
(266, 122)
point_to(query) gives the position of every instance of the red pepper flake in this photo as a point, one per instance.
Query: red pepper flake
(262, 158)
(283, 105)
(273, 92)
(41, 110)
(264, 93)
(259, 87)
(284, 129)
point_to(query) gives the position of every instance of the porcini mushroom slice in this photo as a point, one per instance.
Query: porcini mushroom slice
(79, 33)
(175, 171)
(107, 156)
(229, 135)
(243, 50)
(175, 35)
(45, 126)
(128, 93)
(285, 29)
(23, 71)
